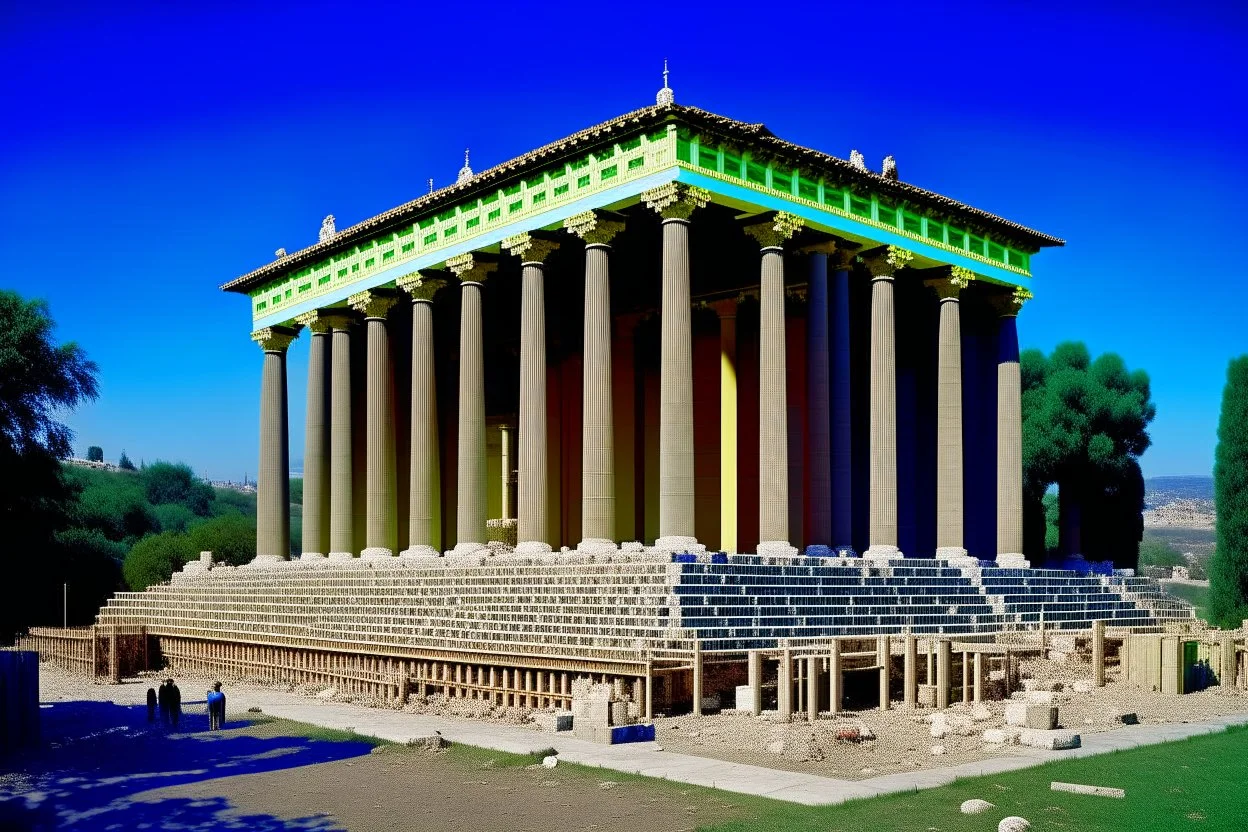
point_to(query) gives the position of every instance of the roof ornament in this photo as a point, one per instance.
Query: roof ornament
(280, 253)
(327, 229)
(856, 159)
(465, 173)
(666, 96)
(890, 167)
(431, 185)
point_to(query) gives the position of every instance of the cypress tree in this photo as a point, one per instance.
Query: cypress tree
(1228, 570)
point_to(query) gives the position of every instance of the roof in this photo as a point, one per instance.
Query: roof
(757, 136)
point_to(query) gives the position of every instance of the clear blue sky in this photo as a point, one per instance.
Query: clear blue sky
(151, 153)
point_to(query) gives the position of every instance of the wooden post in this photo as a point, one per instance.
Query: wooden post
(754, 673)
(784, 684)
(649, 689)
(697, 677)
(944, 662)
(812, 689)
(883, 658)
(966, 678)
(1098, 653)
(910, 694)
(979, 677)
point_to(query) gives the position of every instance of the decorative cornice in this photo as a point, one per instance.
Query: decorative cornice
(776, 229)
(598, 227)
(529, 248)
(676, 201)
(949, 286)
(471, 268)
(886, 261)
(372, 303)
(420, 286)
(275, 338)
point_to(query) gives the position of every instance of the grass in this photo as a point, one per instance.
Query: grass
(1197, 596)
(1192, 784)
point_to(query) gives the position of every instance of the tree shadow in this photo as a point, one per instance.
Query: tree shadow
(95, 757)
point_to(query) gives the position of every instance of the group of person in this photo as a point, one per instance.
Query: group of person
(168, 700)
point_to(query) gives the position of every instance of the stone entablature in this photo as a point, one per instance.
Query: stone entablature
(545, 197)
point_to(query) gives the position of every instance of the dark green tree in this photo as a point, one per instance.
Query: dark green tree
(1085, 424)
(231, 538)
(124, 462)
(155, 558)
(39, 380)
(1157, 552)
(1228, 569)
(169, 482)
(95, 454)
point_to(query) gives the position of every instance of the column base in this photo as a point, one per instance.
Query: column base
(882, 552)
(375, 552)
(532, 547)
(950, 552)
(1013, 560)
(420, 552)
(468, 548)
(342, 556)
(776, 548)
(268, 560)
(678, 544)
(596, 546)
(312, 556)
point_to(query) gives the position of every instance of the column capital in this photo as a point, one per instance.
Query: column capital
(676, 201)
(1007, 305)
(323, 321)
(886, 260)
(373, 303)
(948, 286)
(530, 247)
(595, 227)
(420, 285)
(471, 267)
(275, 338)
(772, 230)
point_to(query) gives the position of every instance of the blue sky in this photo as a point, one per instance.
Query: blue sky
(151, 153)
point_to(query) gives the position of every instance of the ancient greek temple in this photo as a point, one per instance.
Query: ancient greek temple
(672, 330)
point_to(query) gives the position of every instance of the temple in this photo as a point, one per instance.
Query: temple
(700, 336)
(671, 404)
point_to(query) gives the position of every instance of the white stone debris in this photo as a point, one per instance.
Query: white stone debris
(1059, 740)
(1013, 824)
(938, 750)
(1097, 791)
(550, 761)
(976, 806)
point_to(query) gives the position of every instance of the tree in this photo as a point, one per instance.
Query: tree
(39, 380)
(168, 482)
(231, 538)
(155, 558)
(124, 462)
(95, 454)
(1157, 552)
(1085, 424)
(1228, 569)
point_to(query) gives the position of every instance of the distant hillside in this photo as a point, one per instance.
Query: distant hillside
(1161, 490)
(1179, 502)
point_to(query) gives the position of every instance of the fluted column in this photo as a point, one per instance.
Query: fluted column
(381, 531)
(949, 462)
(597, 229)
(1009, 433)
(424, 418)
(470, 521)
(316, 438)
(773, 419)
(341, 510)
(727, 312)
(531, 515)
(841, 439)
(273, 479)
(676, 203)
(883, 264)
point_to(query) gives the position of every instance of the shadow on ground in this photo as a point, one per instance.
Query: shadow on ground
(95, 757)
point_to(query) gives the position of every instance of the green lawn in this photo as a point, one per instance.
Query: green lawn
(1196, 784)
(1197, 596)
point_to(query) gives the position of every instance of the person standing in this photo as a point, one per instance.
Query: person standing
(166, 714)
(151, 705)
(175, 703)
(216, 707)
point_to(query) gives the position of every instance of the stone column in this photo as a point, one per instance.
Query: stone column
(784, 685)
(841, 439)
(883, 264)
(472, 270)
(273, 479)
(727, 311)
(424, 418)
(697, 677)
(1098, 653)
(812, 689)
(944, 673)
(381, 531)
(1009, 433)
(597, 229)
(341, 511)
(676, 203)
(507, 466)
(979, 677)
(949, 514)
(911, 679)
(883, 655)
(532, 527)
(754, 677)
(773, 430)
(818, 403)
(834, 677)
(316, 438)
